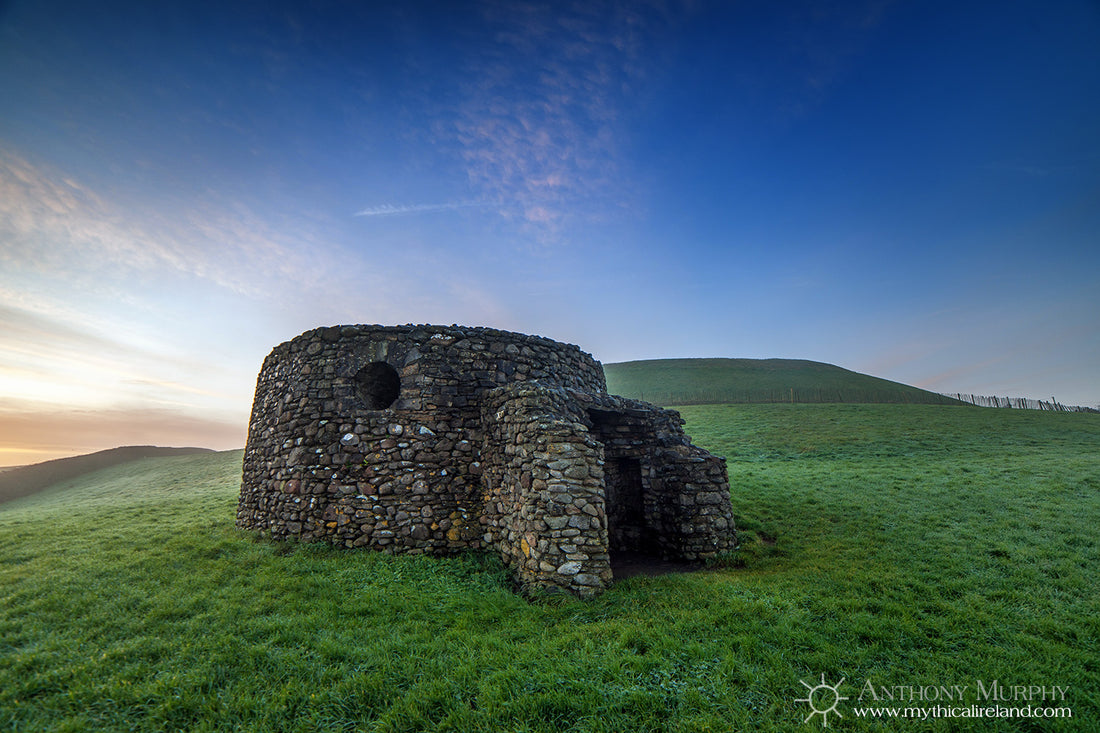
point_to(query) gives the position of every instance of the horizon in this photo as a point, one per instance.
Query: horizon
(903, 191)
(6, 466)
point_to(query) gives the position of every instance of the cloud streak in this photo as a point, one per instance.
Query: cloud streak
(61, 363)
(52, 224)
(401, 210)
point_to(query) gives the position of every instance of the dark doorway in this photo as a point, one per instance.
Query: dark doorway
(633, 521)
(625, 502)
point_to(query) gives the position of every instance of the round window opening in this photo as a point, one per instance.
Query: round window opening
(378, 385)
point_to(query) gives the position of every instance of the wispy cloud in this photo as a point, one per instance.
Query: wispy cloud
(23, 325)
(539, 124)
(107, 301)
(77, 364)
(51, 223)
(83, 255)
(401, 209)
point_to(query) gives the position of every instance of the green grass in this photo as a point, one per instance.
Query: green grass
(747, 381)
(906, 545)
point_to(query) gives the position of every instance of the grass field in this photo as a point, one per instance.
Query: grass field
(748, 381)
(896, 545)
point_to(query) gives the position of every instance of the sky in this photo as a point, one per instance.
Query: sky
(905, 189)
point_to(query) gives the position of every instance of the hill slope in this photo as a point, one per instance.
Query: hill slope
(723, 381)
(26, 480)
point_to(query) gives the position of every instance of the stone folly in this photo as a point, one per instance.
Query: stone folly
(441, 439)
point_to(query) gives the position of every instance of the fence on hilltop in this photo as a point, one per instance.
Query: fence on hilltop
(1018, 403)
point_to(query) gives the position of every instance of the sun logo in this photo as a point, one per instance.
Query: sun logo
(822, 699)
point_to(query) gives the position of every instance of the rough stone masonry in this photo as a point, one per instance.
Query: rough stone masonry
(441, 439)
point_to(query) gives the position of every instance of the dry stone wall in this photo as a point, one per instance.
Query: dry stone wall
(544, 489)
(440, 439)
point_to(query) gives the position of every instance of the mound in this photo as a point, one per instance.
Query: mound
(724, 381)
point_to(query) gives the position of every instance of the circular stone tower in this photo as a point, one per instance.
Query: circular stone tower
(370, 435)
(438, 439)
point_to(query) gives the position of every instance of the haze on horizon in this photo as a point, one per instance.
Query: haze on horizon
(898, 188)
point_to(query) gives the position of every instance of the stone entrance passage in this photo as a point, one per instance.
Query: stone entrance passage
(625, 501)
(631, 506)
(439, 439)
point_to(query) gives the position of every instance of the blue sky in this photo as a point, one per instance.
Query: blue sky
(906, 189)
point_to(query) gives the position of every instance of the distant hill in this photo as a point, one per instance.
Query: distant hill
(26, 480)
(720, 381)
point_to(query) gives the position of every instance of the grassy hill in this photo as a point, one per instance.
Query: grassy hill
(896, 545)
(740, 381)
(25, 480)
